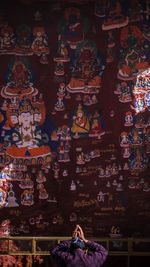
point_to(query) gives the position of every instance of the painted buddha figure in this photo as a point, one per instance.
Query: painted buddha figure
(87, 67)
(26, 125)
(59, 105)
(42, 191)
(80, 123)
(136, 137)
(23, 40)
(40, 42)
(40, 177)
(134, 53)
(18, 79)
(128, 119)
(27, 198)
(114, 17)
(62, 51)
(26, 182)
(138, 159)
(26, 137)
(19, 75)
(7, 40)
(125, 95)
(72, 27)
(139, 104)
(124, 139)
(97, 125)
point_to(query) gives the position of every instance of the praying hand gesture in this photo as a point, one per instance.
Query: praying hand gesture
(78, 232)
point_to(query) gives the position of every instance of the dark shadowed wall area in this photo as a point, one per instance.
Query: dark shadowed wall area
(74, 117)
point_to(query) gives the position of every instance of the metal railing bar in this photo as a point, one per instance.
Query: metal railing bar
(127, 252)
(55, 238)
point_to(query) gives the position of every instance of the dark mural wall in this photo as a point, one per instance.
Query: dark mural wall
(74, 117)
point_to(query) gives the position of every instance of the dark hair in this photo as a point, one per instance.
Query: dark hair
(77, 243)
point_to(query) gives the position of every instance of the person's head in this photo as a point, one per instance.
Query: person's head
(77, 243)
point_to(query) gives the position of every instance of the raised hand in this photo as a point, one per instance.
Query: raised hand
(81, 234)
(75, 232)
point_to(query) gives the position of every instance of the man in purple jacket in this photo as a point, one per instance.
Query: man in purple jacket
(72, 253)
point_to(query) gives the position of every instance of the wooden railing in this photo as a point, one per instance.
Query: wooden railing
(116, 246)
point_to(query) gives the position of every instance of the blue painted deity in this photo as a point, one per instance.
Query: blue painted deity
(72, 27)
(27, 197)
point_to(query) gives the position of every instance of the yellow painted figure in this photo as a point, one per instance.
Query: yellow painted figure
(80, 122)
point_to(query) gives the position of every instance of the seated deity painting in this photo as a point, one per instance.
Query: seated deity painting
(62, 51)
(87, 66)
(97, 125)
(85, 124)
(141, 92)
(27, 138)
(7, 40)
(80, 123)
(25, 117)
(114, 15)
(40, 41)
(18, 78)
(23, 40)
(133, 53)
(72, 27)
(138, 159)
